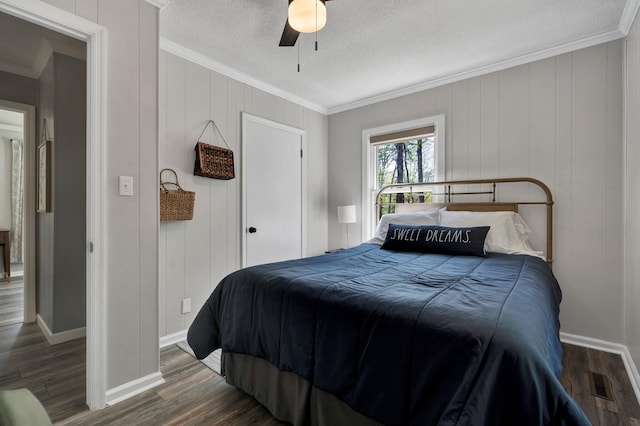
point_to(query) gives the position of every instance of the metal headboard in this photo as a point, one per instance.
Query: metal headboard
(444, 194)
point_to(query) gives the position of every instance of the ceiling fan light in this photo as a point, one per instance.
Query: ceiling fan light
(302, 15)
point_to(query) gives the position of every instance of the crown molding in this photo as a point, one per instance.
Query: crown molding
(482, 70)
(628, 16)
(202, 60)
(158, 3)
(626, 21)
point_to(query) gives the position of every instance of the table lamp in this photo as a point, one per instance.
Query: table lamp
(347, 215)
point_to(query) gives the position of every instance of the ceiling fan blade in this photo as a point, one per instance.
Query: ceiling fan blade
(289, 35)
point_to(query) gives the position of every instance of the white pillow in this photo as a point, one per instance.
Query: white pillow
(509, 233)
(425, 217)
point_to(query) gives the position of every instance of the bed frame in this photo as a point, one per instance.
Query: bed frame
(483, 198)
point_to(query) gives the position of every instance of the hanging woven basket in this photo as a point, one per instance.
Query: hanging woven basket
(175, 204)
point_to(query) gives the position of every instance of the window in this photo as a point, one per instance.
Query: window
(403, 158)
(409, 152)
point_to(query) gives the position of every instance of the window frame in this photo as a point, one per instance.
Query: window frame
(369, 189)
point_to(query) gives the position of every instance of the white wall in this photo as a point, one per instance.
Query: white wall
(5, 175)
(132, 150)
(558, 120)
(195, 255)
(632, 195)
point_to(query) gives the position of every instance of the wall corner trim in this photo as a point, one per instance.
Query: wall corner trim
(134, 387)
(64, 336)
(485, 69)
(615, 348)
(172, 339)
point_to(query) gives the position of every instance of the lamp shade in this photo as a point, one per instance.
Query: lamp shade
(307, 16)
(346, 214)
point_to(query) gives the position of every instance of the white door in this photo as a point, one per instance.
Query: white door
(272, 181)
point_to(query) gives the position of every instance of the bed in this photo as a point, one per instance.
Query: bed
(389, 333)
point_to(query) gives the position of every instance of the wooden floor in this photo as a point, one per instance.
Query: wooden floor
(11, 301)
(195, 395)
(55, 374)
(192, 395)
(577, 362)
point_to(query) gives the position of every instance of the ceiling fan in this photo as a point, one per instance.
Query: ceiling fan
(305, 12)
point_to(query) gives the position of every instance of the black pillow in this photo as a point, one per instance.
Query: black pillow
(436, 239)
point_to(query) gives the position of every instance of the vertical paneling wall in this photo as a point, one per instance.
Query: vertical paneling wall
(195, 255)
(131, 225)
(632, 194)
(558, 120)
(61, 233)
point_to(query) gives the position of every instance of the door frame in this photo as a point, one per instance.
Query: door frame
(247, 118)
(29, 224)
(94, 35)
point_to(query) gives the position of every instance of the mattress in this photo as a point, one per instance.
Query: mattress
(399, 337)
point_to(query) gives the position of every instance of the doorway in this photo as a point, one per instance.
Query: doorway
(94, 36)
(17, 147)
(273, 178)
(11, 216)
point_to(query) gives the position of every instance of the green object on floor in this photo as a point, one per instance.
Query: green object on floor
(21, 407)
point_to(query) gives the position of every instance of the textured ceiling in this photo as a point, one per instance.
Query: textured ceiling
(372, 47)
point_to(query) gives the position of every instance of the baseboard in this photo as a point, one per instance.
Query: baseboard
(172, 339)
(64, 336)
(615, 348)
(133, 388)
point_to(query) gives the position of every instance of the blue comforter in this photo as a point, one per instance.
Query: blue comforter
(404, 338)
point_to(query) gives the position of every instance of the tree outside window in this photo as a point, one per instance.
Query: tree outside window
(407, 161)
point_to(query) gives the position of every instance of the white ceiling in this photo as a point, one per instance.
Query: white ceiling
(371, 49)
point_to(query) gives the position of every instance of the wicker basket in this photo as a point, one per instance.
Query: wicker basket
(175, 204)
(213, 161)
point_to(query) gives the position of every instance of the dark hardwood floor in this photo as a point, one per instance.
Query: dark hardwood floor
(192, 395)
(577, 363)
(55, 374)
(11, 301)
(195, 395)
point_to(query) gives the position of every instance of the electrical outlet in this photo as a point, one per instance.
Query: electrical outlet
(186, 306)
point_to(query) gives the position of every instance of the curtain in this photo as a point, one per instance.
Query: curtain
(17, 200)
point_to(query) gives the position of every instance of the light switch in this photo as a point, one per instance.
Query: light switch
(125, 184)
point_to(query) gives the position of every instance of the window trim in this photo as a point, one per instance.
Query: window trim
(368, 172)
